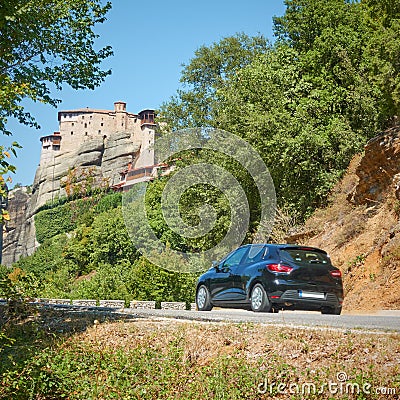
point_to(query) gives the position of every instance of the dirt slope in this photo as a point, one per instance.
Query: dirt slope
(360, 228)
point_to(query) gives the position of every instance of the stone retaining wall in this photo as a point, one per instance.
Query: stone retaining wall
(142, 305)
(86, 303)
(172, 305)
(116, 304)
(112, 303)
(59, 301)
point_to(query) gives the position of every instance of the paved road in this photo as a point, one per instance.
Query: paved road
(389, 322)
(386, 321)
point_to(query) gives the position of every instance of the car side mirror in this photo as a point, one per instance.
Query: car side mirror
(215, 265)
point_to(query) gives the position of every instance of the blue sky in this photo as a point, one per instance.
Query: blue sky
(151, 41)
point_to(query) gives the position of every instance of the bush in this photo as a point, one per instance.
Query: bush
(49, 223)
(108, 202)
(66, 215)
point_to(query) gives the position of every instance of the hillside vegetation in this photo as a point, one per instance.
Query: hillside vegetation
(86, 252)
(308, 103)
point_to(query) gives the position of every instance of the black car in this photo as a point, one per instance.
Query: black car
(270, 277)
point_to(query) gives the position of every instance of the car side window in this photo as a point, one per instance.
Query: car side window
(255, 254)
(235, 258)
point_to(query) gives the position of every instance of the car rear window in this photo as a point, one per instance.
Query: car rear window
(305, 256)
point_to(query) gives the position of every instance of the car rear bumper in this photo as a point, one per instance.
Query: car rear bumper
(306, 300)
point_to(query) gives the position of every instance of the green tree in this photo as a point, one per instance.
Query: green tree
(198, 196)
(310, 102)
(110, 240)
(47, 258)
(45, 44)
(289, 119)
(354, 48)
(209, 70)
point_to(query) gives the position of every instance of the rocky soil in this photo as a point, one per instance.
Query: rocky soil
(361, 229)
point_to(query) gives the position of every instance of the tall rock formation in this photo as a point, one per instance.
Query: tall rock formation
(95, 143)
(19, 233)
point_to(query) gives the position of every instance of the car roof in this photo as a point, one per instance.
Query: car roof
(287, 246)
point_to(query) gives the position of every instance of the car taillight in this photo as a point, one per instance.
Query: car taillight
(279, 268)
(335, 273)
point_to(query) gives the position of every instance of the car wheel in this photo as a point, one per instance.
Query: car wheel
(203, 299)
(331, 310)
(259, 299)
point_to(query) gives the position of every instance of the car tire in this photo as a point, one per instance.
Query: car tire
(203, 302)
(259, 299)
(331, 310)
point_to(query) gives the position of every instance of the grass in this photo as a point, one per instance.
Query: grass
(87, 356)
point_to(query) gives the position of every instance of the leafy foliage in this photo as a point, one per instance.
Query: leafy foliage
(65, 215)
(49, 223)
(108, 202)
(18, 284)
(45, 44)
(309, 102)
(97, 259)
(210, 69)
(45, 41)
(196, 197)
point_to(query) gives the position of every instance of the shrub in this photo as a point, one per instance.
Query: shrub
(52, 222)
(108, 202)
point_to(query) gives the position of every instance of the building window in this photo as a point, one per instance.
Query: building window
(73, 124)
(101, 124)
(90, 117)
(83, 117)
(85, 125)
(56, 147)
(85, 133)
(72, 132)
(99, 131)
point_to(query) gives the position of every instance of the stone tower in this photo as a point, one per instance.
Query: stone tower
(106, 141)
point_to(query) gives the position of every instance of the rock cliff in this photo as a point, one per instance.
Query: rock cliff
(361, 226)
(19, 233)
(378, 170)
(103, 156)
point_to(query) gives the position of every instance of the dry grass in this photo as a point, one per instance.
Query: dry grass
(171, 359)
(300, 347)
